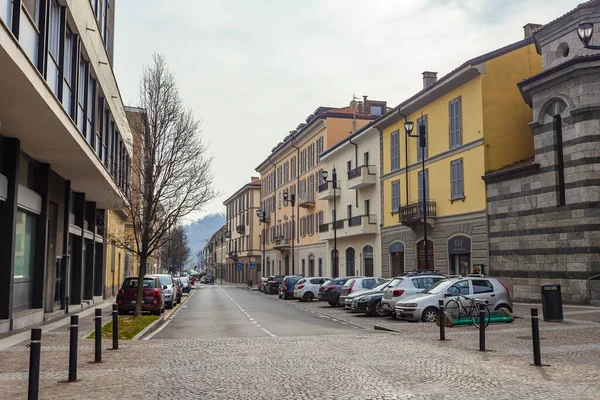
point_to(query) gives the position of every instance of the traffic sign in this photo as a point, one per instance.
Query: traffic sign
(240, 266)
(252, 266)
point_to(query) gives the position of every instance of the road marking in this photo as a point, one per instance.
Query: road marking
(151, 335)
(247, 315)
(268, 333)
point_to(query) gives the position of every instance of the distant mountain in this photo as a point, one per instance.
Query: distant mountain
(202, 229)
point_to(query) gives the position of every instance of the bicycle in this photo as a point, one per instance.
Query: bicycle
(458, 311)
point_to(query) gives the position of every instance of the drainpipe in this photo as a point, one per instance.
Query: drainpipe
(296, 223)
(275, 186)
(356, 164)
(405, 155)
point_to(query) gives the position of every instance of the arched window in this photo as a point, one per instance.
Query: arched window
(350, 261)
(560, 164)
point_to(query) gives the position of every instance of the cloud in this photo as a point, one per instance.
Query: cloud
(253, 70)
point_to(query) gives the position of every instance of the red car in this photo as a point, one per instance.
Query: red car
(192, 280)
(153, 299)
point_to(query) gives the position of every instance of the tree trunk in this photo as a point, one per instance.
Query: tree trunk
(140, 288)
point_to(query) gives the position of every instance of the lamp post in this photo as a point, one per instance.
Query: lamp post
(333, 180)
(222, 250)
(262, 218)
(291, 197)
(585, 31)
(422, 135)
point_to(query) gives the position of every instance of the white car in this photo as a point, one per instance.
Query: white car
(307, 289)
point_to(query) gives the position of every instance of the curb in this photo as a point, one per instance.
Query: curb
(156, 324)
(381, 328)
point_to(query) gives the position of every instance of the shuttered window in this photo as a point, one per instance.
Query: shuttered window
(395, 150)
(454, 110)
(456, 176)
(395, 196)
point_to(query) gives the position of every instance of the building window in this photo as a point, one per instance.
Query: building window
(54, 47)
(81, 118)
(349, 211)
(395, 196)
(456, 176)
(455, 123)
(395, 150)
(376, 110)
(422, 130)
(421, 185)
(319, 149)
(68, 68)
(24, 245)
(557, 122)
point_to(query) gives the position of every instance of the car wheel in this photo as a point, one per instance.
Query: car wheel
(157, 312)
(500, 306)
(429, 314)
(170, 304)
(379, 310)
(308, 296)
(333, 303)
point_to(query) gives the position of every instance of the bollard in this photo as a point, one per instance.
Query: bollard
(115, 331)
(535, 334)
(74, 328)
(442, 320)
(67, 305)
(98, 337)
(34, 364)
(482, 327)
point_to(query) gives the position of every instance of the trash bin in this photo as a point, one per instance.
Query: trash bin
(552, 302)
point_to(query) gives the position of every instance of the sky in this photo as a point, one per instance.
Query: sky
(251, 71)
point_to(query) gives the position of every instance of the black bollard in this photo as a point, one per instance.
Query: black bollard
(34, 364)
(74, 328)
(482, 327)
(535, 334)
(98, 338)
(67, 305)
(442, 320)
(115, 327)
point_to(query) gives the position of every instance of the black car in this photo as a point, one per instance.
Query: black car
(209, 279)
(330, 290)
(370, 304)
(272, 285)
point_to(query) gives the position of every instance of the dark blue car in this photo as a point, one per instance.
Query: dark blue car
(286, 289)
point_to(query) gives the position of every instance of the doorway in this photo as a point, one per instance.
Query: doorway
(350, 261)
(53, 265)
(311, 265)
(368, 260)
(287, 264)
(421, 255)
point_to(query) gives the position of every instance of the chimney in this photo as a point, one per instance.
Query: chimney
(529, 29)
(254, 179)
(429, 78)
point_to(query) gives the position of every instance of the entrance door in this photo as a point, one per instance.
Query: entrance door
(287, 265)
(350, 261)
(311, 265)
(397, 263)
(368, 260)
(421, 254)
(52, 264)
(460, 264)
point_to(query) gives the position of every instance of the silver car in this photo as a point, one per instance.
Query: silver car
(352, 299)
(424, 306)
(358, 284)
(169, 289)
(407, 285)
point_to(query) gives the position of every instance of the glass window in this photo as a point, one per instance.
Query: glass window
(460, 287)
(81, 117)
(346, 284)
(454, 110)
(482, 286)
(375, 110)
(24, 245)
(424, 282)
(395, 150)
(421, 185)
(395, 196)
(422, 130)
(456, 177)
(68, 72)
(54, 34)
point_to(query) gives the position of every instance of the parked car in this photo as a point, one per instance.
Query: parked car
(330, 290)
(350, 298)
(424, 306)
(308, 288)
(406, 285)
(358, 284)
(273, 283)
(185, 283)
(209, 279)
(286, 289)
(179, 286)
(203, 279)
(262, 283)
(152, 295)
(192, 280)
(169, 289)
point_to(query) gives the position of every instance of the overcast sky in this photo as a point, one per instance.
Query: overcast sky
(252, 70)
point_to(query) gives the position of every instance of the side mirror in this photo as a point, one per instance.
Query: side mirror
(164, 287)
(447, 294)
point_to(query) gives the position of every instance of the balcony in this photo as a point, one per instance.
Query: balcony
(241, 229)
(360, 177)
(282, 244)
(412, 214)
(359, 225)
(307, 201)
(327, 192)
(326, 231)
(233, 255)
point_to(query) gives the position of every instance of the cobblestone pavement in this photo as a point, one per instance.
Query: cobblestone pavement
(359, 364)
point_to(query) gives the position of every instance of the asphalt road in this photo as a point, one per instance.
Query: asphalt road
(228, 311)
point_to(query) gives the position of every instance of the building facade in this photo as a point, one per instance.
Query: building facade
(294, 167)
(352, 215)
(60, 170)
(474, 121)
(544, 212)
(243, 242)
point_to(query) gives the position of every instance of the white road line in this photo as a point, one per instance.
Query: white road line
(268, 333)
(247, 315)
(158, 330)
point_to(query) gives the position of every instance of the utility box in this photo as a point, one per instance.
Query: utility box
(552, 302)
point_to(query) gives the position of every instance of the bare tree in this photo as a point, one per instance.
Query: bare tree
(175, 251)
(170, 171)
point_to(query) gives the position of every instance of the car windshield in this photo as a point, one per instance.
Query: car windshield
(133, 283)
(164, 280)
(439, 287)
(292, 280)
(349, 283)
(395, 282)
(381, 286)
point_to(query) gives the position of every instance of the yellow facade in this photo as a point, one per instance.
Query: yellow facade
(114, 260)
(494, 133)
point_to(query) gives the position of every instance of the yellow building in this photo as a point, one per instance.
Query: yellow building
(475, 121)
(114, 259)
(294, 166)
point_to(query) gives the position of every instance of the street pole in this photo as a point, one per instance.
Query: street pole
(422, 139)
(222, 246)
(293, 200)
(335, 249)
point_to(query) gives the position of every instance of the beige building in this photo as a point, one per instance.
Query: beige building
(355, 230)
(294, 167)
(243, 233)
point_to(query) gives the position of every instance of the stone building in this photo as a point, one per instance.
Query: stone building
(543, 212)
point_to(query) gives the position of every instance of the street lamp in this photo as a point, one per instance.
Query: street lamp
(422, 135)
(585, 31)
(291, 197)
(262, 218)
(324, 175)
